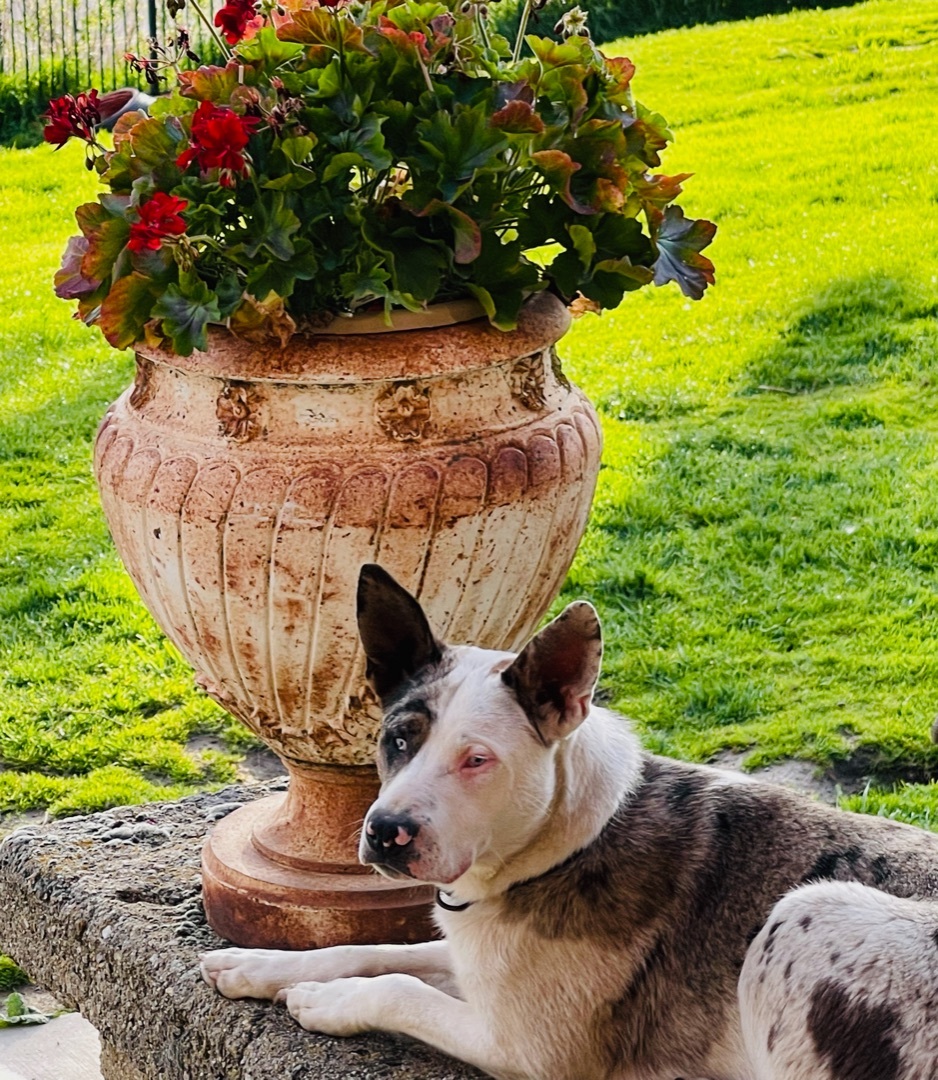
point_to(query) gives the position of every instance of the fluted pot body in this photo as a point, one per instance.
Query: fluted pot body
(245, 486)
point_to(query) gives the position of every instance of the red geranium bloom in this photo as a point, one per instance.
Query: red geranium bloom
(233, 19)
(159, 218)
(217, 140)
(68, 116)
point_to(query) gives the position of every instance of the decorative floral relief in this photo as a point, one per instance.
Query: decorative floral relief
(527, 380)
(403, 411)
(236, 410)
(143, 383)
(557, 368)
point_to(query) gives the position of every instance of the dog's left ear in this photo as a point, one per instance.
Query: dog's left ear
(554, 675)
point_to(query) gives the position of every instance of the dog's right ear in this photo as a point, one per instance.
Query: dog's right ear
(394, 631)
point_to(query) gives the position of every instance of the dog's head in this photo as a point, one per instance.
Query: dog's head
(469, 742)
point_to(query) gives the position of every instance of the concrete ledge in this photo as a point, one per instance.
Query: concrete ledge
(105, 911)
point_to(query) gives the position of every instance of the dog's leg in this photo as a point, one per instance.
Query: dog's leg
(842, 981)
(403, 1005)
(261, 973)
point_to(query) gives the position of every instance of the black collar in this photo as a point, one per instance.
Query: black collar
(450, 907)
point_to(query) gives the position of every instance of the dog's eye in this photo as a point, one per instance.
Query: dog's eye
(475, 761)
(400, 744)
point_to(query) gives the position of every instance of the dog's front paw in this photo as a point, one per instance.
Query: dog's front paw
(340, 1007)
(246, 973)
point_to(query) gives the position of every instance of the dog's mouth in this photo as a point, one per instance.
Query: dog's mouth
(393, 872)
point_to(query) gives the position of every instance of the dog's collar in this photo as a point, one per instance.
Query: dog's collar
(450, 907)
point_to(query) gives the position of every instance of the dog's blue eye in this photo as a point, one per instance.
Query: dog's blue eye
(400, 744)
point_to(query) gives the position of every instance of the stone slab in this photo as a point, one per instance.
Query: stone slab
(67, 1048)
(105, 912)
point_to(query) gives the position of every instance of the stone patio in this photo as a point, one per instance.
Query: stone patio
(105, 912)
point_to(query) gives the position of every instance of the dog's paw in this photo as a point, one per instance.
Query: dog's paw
(247, 973)
(335, 1008)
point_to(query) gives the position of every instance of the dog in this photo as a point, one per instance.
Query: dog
(608, 914)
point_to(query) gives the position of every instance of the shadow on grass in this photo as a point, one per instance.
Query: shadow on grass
(856, 332)
(765, 579)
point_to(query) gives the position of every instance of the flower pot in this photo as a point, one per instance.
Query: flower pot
(244, 487)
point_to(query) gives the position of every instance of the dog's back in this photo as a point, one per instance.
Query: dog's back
(671, 896)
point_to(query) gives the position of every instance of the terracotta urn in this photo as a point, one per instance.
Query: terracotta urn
(245, 486)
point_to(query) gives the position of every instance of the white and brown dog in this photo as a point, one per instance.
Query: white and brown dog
(609, 914)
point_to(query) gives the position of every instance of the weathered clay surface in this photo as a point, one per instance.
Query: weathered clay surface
(105, 911)
(245, 486)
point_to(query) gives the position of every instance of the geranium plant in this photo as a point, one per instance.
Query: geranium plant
(358, 153)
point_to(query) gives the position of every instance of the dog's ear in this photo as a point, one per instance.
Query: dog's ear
(394, 631)
(554, 675)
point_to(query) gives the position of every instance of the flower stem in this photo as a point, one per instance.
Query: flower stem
(522, 26)
(226, 53)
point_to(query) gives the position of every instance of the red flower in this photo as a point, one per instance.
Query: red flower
(233, 19)
(217, 140)
(159, 218)
(68, 116)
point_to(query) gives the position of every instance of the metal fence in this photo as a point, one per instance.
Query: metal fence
(50, 47)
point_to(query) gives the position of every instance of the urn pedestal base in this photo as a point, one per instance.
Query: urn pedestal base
(283, 872)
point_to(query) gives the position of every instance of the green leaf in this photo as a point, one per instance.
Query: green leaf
(323, 27)
(281, 277)
(459, 146)
(298, 148)
(209, 83)
(368, 281)
(557, 168)
(229, 292)
(545, 220)
(506, 277)
(148, 150)
(618, 236)
(106, 234)
(567, 272)
(341, 163)
(366, 140)
(467, 236)
(417, 268)
(680, 241)
(612, 278)
(583, 243)
(126, 309)
(186, 314)
(173, 104)
(16, 1013)
(272, 226)
(268, 49)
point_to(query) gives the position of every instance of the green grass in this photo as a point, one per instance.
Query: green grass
(95, 706)
(765, 539)
(764, 543)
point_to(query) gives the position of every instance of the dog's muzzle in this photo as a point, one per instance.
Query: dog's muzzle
(390, 840)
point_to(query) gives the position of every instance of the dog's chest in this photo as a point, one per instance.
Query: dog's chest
(545, 995)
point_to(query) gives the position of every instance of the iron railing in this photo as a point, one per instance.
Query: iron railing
(50, 47)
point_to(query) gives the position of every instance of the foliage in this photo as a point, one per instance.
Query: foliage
(388, 152)
(11, 974)
(612, 19)
(20, 124)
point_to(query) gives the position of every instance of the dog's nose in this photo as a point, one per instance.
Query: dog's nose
(388, 833)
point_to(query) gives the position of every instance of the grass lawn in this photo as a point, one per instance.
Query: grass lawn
(765, 539)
